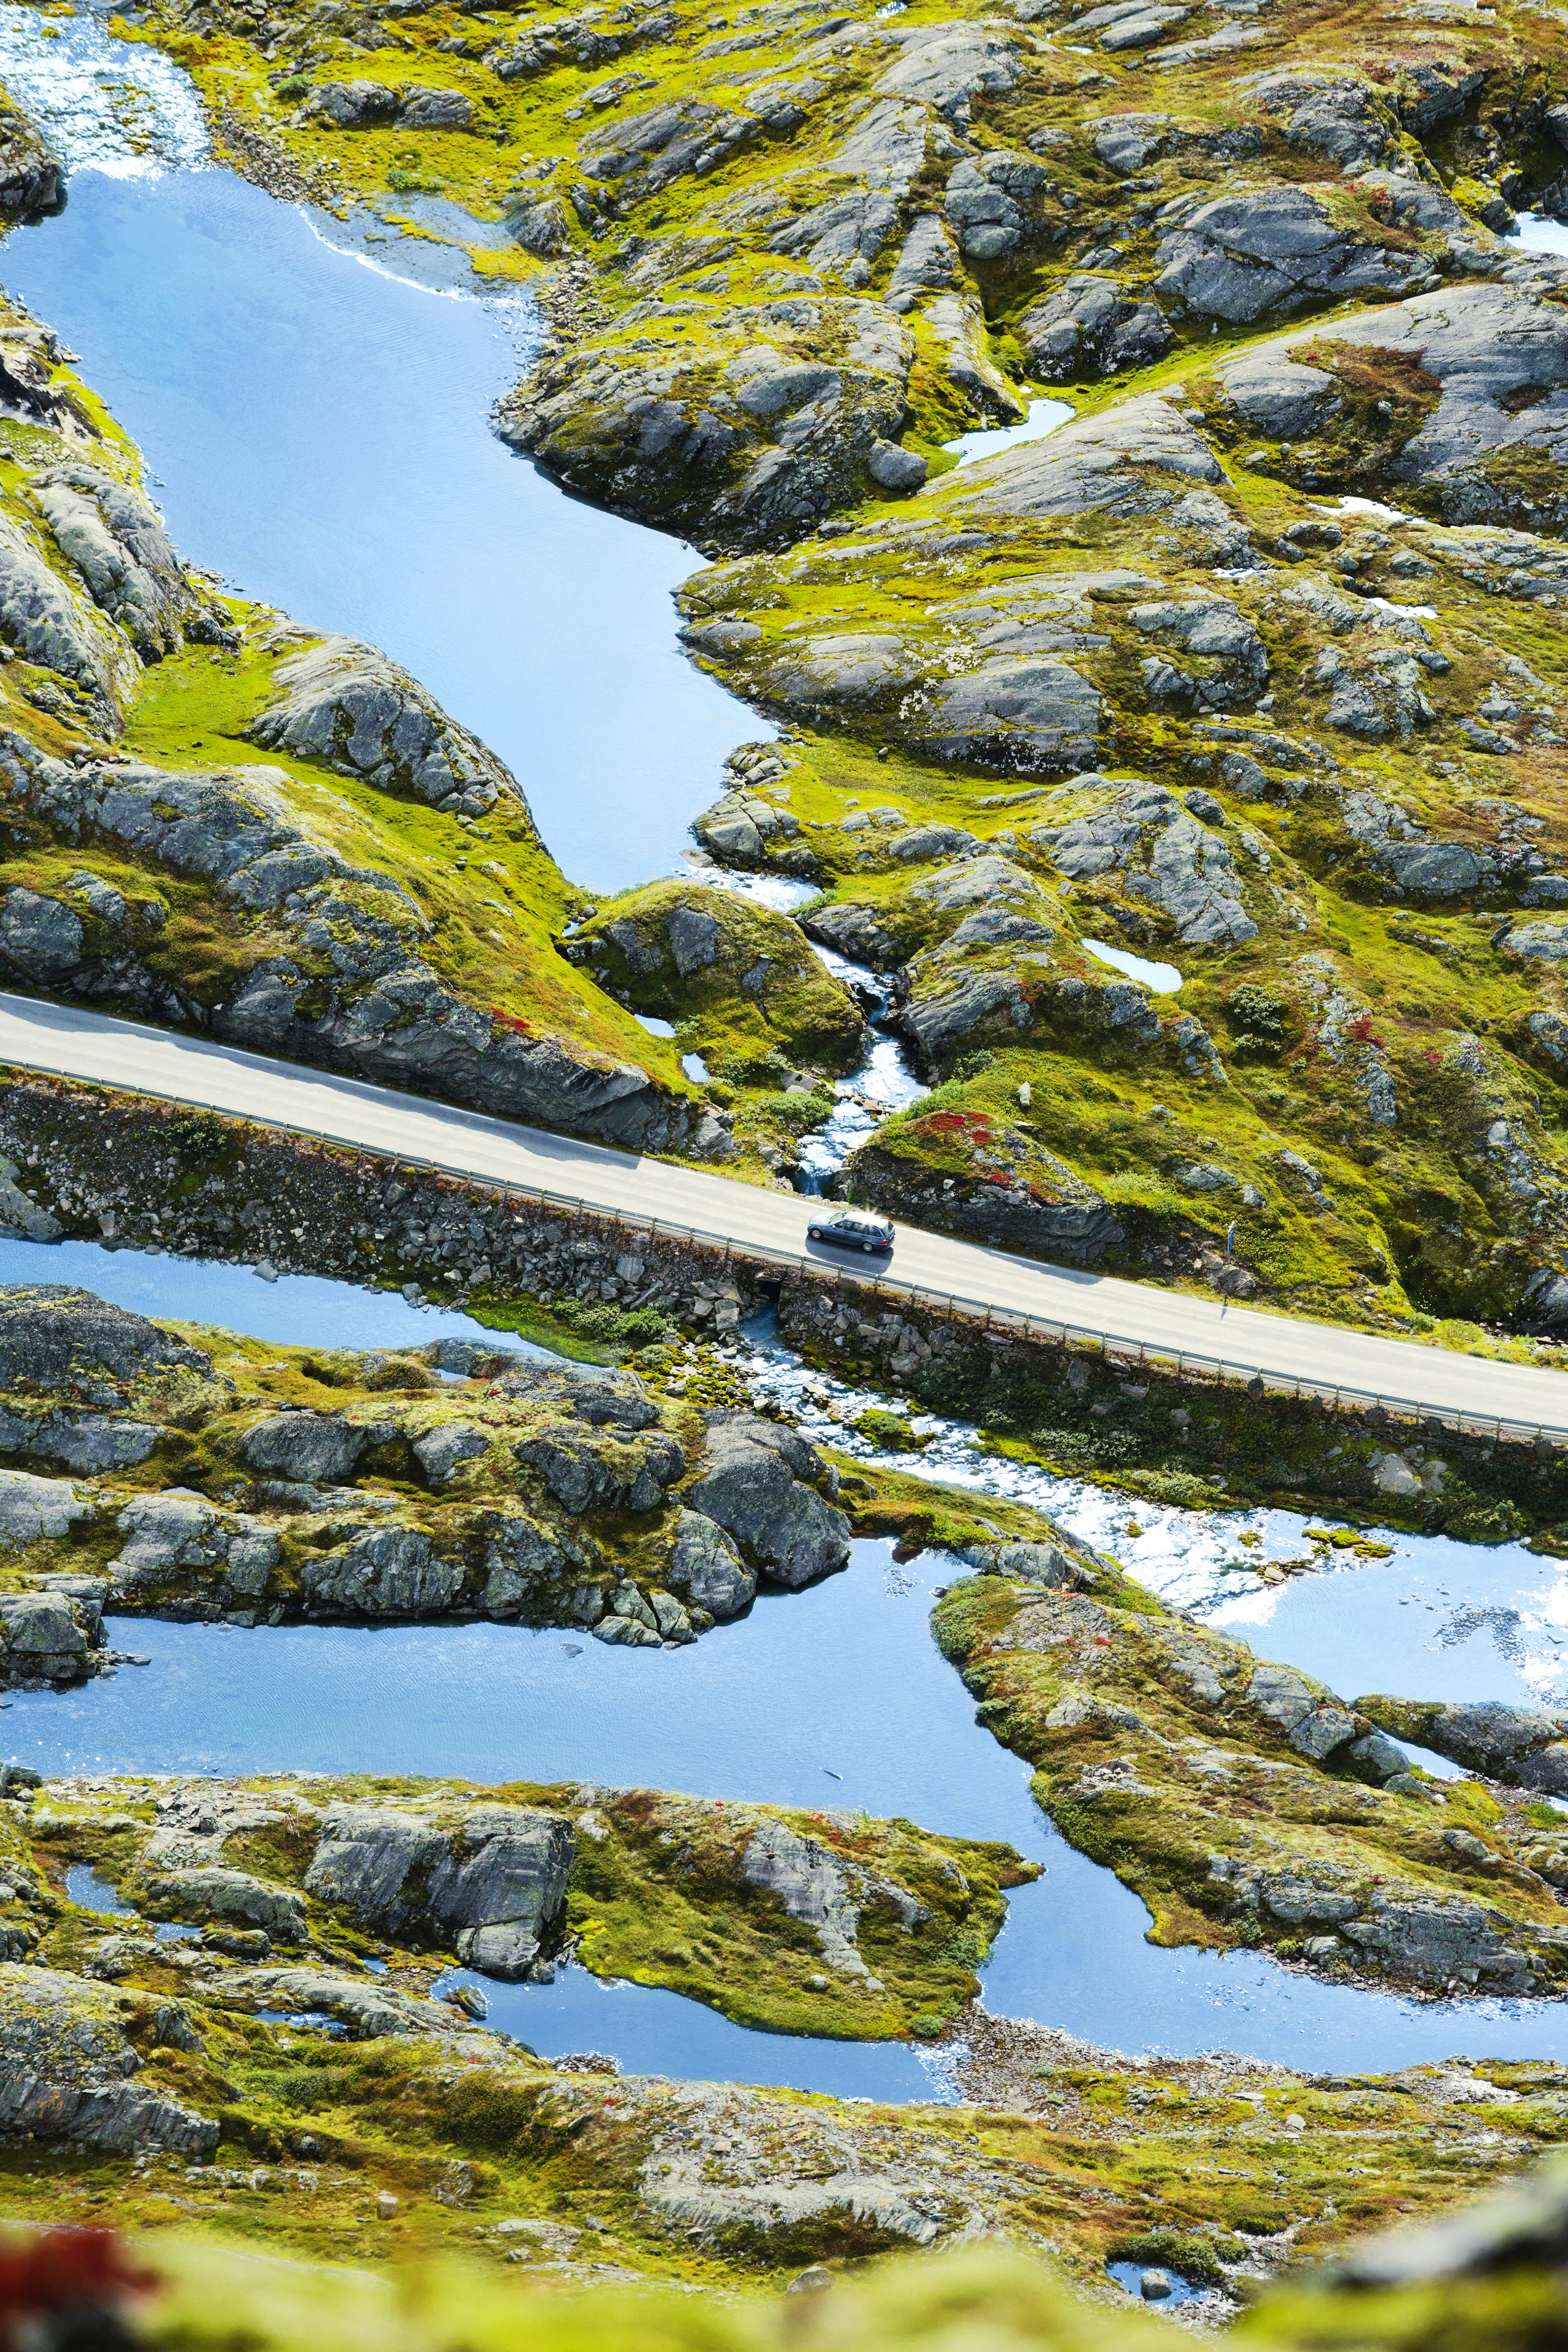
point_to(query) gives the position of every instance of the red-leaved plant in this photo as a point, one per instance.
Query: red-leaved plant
(63, 2290)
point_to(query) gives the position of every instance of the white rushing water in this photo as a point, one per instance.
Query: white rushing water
(103, 104)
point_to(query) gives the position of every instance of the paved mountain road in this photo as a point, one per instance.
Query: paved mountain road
(92, 1046)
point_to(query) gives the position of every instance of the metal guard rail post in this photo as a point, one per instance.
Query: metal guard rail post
(1065, 1334)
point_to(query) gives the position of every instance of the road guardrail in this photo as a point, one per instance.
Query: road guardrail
(1134, 1354)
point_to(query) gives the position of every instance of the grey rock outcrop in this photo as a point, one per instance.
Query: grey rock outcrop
(766, 425)
(216, 1892)
(759, 1481)
(386, 1571)
(816, 1886)
(605, 1396)
(383, 1013)
(1271, 248)
(494, 1877)
(68, 2063)
(346, 704)
(705, 1564)
(56, 1336)
(604, 1474)
(116, 539)
(1089, 325)
(367, 2010)
(170, 1535)
(1524, 1746)
(83, 1441)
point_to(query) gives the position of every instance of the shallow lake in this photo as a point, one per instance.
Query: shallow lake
(319, 429)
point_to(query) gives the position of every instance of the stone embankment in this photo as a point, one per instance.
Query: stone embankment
(111, 1167)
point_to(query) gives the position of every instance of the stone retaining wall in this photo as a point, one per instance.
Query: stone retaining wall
(95, 1164)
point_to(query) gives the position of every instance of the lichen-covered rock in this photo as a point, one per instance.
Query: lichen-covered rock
(1089, 325)
(69, 2064)
(1527, 1746)
(56, 1336)
(492, 1876)
(116, 540)
(736, 970)
(759, 1481)
(611, 1474)
(32, 1507)
(348, 705)
(705, 1564)
(766, 425)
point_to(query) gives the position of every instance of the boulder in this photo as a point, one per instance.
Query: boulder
(66, 2060)
(47, 1637)
(345, 703)
(386, 1571)
(83, 1441)
(217, 1893)
(32, 1507)
(56, 1336)
(442, 1450)
(1526, 1747)
(1313, 1721)
(494, 1877)
(587, 1474)
(758, 1480)
(307, 1448)
(705, 1565)
(1089, 326)
(1030, 1563)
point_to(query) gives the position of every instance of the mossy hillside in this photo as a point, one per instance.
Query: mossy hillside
(1167, 2161)
(533, 135)
(737, 981)
(1420, 978)
(1084, 2159)
(1160, 1751)
(658, 1894)
(493, 898)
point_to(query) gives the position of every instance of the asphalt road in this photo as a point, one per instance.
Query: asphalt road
(155, 1061)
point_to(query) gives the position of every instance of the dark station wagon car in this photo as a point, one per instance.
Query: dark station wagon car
(852, 1229)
